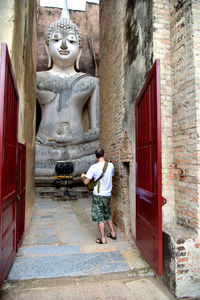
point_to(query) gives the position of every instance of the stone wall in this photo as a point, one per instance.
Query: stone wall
(176, 43)
(184, 242)
(126, 58)
(132, 35)
(112, 104)
(18, 30)
(181, 265)
(7, 22)
(174, 27)
(162, 50)
(185, 112)
(138, 62)
(196, 50)
(87, 21)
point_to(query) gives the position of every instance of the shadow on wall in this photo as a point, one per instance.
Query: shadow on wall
(38, 116)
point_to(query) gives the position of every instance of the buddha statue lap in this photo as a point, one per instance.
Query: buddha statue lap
(69, 100)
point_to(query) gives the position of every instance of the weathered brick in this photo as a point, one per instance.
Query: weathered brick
(173, 38)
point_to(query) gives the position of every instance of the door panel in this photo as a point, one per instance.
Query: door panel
(8, 157)
(148, 170)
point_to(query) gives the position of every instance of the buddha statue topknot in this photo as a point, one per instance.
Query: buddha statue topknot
(69, 100)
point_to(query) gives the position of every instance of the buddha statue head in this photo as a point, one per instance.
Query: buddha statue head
(63, 42)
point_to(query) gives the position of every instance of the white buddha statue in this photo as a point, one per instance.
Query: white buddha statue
(69, 99)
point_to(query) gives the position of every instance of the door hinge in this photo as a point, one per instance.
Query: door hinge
(164, 201)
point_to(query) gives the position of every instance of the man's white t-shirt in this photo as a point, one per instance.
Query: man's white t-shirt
(95, 172)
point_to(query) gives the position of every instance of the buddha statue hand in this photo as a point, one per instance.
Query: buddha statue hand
(79, 138)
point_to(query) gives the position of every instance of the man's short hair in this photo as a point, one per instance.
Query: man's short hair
(99, 153)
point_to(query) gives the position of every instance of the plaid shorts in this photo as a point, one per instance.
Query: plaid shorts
(101, 210)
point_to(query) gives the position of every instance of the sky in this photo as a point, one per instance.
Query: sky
(73, 4)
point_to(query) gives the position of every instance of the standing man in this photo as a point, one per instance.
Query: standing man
(101, 211)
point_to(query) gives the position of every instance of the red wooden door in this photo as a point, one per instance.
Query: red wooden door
(8, 158)
(148, 170)
(21, 194)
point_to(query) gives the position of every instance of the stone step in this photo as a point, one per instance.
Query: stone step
(67, 261)
(63, 281)
(60, 194)
(79, 264)
(44, 250)
(49, 181)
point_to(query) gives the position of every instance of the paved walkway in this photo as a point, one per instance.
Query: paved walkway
(59, 260)
(137, 289)
(60, 242)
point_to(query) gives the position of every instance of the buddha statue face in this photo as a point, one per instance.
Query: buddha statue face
(64, 44)
(64, 47)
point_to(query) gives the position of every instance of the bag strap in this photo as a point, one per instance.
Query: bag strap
(102, 174)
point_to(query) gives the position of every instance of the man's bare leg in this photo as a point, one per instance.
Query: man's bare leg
(110, 224)
(101, 227)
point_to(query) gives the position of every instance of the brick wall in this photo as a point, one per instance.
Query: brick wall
(168, 30)
(181, 261)
(123, 72)
(185, 122)
(138, 45)
(174, 26)
(162, 50)
(196, 50)
(176, 43)
(126, 58)
(112, 95)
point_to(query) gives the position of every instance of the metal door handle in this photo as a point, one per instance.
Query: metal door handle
(18, 197)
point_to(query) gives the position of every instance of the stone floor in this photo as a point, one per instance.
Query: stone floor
(59, 260)
(135, 289)
(60, 242)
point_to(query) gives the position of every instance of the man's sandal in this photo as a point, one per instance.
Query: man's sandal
(109, 235)
(99, 241)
